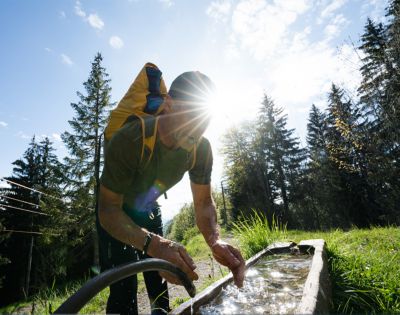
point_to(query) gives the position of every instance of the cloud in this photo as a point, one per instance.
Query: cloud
(48, 49)
(330, 9)
(56, 137)
(260, 26)
(167, 3)
(78, 10)
(298, 69)
(299, 76)
(66, 60)
(23, 135)
(116, 42)
(375, 9)
(219, 10)
(95, 21)
(3, 124)
(334, 28)
(62, 15)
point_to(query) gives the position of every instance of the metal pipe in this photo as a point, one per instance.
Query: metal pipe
(103, 280)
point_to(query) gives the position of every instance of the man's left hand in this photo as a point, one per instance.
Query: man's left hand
(230, 257)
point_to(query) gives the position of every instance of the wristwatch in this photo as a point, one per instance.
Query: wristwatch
(147, 241)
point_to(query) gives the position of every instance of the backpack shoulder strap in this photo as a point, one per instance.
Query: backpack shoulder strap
(149, 135)
(148, 126)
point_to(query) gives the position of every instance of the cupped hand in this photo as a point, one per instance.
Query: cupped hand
(230, 257)
(176, 254)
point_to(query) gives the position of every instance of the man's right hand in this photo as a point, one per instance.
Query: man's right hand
(174, 253)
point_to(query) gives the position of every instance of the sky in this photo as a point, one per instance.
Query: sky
(291, 50)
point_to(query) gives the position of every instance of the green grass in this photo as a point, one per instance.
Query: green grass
(364, 268)
(197, 247)
(256, 233)
(364, 264)
(17, 307)
(48, 300)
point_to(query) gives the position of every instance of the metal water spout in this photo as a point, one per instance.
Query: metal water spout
(103, 280)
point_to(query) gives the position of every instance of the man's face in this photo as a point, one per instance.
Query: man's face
(190, 120)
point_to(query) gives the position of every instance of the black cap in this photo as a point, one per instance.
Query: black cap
(192, 86)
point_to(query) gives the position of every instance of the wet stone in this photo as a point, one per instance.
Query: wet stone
(274, 285)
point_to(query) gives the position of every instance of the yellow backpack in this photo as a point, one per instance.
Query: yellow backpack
(144, 100)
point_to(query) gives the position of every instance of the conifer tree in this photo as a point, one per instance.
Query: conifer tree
(39, 170)
(284, 153)
(84, 160)
(393, 85)
(349, 149)
(373, 69)
(317, 193)
(239, 166)
(316, 135)
(380, 101)
(3, 260)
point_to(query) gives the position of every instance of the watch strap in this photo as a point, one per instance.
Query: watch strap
(146, 244)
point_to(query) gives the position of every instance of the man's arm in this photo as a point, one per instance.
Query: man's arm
(206, 219)
(120, 226)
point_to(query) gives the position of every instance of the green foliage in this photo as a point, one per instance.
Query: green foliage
(3, 260)
(363, 268)
(39, 169)
(48, 300)
(197, 247)
(84, 161)
(190, 234)
(350, 175)
(64, 247)
(223, 206)
(256, 233)
(178, 301)
(183, 221)
(262, 164)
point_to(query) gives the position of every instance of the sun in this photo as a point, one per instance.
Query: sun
(223, 108)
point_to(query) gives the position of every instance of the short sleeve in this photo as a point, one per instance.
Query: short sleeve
(201, 172)
(122, 158)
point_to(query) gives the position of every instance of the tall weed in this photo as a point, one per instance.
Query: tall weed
(255, 233)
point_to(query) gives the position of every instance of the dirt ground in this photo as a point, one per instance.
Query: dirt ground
(206, 269)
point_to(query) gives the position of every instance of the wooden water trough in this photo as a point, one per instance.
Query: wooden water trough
(316, 297)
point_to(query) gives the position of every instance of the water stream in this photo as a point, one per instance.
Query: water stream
(274, 285)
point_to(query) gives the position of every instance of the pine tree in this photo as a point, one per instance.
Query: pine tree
(374, 69)
(3, 260)
(239, 168)
(40, 171)
(317, 192)
(316, 135)
(85, 160)
(52, 245)
(380, 101)
(393, 86)
(283, 151)
(349, 146)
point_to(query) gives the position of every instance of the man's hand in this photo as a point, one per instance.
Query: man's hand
(230, 257)
(174, 253)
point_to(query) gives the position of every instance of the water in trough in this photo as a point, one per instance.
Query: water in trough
(274, 285)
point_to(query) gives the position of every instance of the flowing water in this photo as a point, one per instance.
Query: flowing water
(274, 285)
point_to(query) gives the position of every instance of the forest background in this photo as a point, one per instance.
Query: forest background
(347, 175)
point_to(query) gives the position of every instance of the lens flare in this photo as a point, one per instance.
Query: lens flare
(145, 201)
